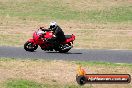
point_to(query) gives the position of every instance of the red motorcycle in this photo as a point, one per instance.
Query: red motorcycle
(42, 40)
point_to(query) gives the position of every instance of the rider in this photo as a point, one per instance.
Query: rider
(57, 31)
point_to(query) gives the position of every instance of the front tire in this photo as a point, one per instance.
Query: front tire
(28, 46)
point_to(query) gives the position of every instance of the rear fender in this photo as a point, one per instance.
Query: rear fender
(73, 37)
(70, 39)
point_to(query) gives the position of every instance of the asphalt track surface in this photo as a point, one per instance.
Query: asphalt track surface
(118, 56)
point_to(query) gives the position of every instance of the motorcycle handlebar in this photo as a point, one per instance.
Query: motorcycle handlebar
(46, 30)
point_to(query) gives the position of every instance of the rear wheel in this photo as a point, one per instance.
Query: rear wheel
(62, 50)
(28, 46)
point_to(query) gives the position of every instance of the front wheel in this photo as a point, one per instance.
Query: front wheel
(28, 46)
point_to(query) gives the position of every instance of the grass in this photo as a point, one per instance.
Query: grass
(19, 83)
(120, 14)
(44, 10)
(97, 24)
(92, 63)
(28, 73)
(22, 84)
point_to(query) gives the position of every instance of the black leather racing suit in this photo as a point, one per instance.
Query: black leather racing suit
(60, 37)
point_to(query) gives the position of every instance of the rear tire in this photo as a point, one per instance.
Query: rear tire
(28, 46)
(64, 51)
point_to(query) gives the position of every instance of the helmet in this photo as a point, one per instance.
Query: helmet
(53, 24)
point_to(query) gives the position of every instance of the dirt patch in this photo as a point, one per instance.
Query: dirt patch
(44, 72)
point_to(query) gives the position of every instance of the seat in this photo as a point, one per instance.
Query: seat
(68, 36)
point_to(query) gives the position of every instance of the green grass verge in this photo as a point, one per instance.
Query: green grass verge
(20, 83)
(94, 63)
